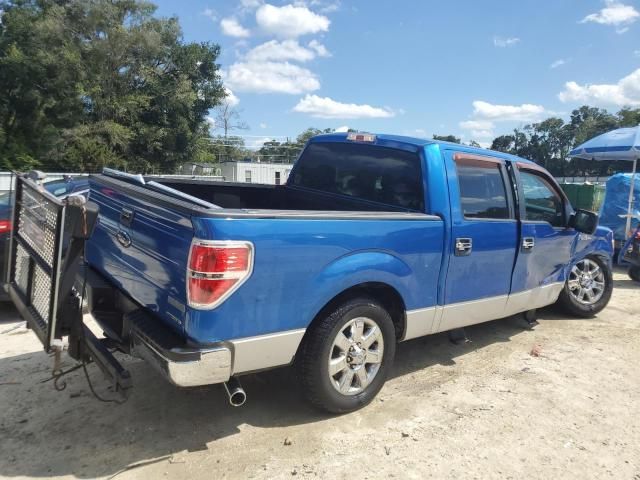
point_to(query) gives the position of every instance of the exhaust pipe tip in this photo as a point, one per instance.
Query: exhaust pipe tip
(235, 392)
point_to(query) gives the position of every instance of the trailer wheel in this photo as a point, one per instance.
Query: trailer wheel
(346, 356)
(634, 273)
(588, 287)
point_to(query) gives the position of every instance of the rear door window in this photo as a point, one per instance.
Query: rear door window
(483, 193)
(367, 172)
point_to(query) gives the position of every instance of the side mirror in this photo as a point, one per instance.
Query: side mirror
(584, 221)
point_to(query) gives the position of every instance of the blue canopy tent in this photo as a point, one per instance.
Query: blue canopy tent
(620, 144)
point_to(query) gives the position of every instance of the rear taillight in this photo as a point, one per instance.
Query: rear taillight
(216, 269)
(5, 226)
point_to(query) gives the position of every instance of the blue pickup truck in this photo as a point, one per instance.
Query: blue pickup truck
(374, 240)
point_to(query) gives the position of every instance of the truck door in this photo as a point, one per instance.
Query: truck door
(546, 241)
(483, 241)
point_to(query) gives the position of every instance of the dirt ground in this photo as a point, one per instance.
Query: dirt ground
(486, 409)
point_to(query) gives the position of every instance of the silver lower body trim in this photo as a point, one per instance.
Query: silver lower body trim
(436, 319)
(265, 351)
(534, 298)
(419, 323)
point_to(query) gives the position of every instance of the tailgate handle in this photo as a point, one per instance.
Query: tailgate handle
(126, 217)
(123, 238)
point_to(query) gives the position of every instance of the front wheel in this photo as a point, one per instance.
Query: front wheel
(346, 356)
(634, 273)
(588, 288)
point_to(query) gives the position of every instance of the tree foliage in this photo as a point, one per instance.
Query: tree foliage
(447, 138)
(549, 142)
(86, 84)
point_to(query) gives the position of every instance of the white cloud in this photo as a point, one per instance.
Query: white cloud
(477, 134)
(615, 14)
(231, 99)
(476, 124)
(270, 77)
(558, 63)
(290, 21)
(342, 129)
(210, 13)
(320, 49)
(263, 125)
(322, 6)
(519, 113)
(325, 107)
(274, 50)
(231, 27)
(479, 128)
(503, 42)
(250, 4)
(279, 51)
(326, 7)
(636, 53)
(626, 92)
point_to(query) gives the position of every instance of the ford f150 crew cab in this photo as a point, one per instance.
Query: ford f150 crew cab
(374, 240)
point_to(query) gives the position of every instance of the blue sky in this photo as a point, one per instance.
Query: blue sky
(470, 68)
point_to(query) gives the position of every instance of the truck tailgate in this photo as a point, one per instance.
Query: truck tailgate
(143, 247)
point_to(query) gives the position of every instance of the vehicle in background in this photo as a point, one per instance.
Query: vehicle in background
(373, 240)
(630, 254)
(60, 188)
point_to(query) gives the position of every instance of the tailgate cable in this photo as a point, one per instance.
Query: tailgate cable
(57, 373)
(84, 363)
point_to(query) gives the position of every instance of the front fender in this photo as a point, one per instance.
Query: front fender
(600, 244)
(357, 268)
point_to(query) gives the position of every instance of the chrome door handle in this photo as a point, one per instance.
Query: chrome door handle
(528, 243)
(463, 247)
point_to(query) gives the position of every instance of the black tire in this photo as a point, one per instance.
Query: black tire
(572, 306)
(634, 273)
(317, 347)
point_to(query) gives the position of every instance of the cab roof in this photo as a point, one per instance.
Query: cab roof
(414, 144)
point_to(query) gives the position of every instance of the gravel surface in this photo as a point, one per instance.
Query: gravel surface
(562, 400)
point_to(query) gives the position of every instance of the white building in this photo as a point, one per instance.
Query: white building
(256, 172)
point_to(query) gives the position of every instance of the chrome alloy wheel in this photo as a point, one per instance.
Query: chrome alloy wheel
(355, 356)
(586, 282)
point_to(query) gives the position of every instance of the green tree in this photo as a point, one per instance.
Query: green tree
(447, 138)
(88, 84)
(628, 117)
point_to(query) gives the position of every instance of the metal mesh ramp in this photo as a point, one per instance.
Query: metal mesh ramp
(36, 254)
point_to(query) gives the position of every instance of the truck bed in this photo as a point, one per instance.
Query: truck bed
(270, 197)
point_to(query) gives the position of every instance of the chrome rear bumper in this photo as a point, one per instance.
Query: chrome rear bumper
(185, 367)
(181, 364)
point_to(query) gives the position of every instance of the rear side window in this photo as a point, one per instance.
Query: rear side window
(542, 202)
(367, 172)
(482, 189)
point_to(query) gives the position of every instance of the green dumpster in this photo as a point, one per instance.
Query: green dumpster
(584, 195)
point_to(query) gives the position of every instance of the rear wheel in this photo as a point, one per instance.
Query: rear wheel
(346, 356)
(634, 273)
(588, 288)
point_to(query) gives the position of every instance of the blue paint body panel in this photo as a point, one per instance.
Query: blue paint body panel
(302, 263)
